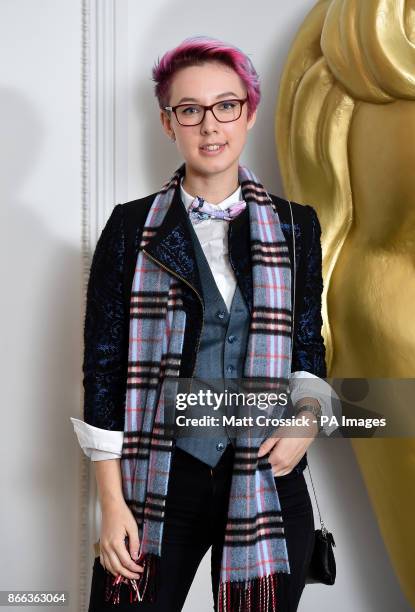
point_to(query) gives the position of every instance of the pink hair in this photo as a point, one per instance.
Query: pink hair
(197, 50)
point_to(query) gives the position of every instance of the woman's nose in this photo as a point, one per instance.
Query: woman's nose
(209, 121)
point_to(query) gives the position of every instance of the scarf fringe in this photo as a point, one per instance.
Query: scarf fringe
(140, 589)
(256, 595)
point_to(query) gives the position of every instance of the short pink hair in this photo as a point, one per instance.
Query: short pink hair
(198, 50)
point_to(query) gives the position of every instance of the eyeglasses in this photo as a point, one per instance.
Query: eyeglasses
(193, 114)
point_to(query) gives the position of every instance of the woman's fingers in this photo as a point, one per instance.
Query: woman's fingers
(133, 540)
(105, 562)
(116, 559)
(267, 446)
(116, 566)
(119, 525)
(126, 561)
(285, 456)
(279, 465)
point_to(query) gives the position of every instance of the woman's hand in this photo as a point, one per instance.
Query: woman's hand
(286, 452)
(118, 522)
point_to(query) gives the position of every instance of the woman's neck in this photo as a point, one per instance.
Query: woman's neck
(214, 188)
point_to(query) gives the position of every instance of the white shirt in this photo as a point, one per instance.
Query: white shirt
(213, 237)
(99, 444)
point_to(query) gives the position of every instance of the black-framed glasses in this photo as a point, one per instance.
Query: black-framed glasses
(193, 114)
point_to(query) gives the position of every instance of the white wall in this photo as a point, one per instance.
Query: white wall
(42, 273)
(41, 302)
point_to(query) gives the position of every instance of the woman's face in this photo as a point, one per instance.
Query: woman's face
(206, 84)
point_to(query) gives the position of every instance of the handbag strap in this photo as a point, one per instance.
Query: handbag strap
(323, 528)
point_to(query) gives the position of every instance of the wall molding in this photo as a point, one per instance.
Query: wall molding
(104, 168)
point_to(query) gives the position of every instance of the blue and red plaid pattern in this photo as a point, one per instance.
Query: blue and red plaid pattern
(255, 550)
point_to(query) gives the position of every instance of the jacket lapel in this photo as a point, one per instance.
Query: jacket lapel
(239, 246)
(172, 247)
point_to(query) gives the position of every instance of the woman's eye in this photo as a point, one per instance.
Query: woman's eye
(227, 105)
(190, 110)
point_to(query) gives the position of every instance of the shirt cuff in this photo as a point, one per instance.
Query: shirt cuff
(304, 384)
(98, 444)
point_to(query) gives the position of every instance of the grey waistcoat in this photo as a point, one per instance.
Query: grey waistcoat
(221, 351)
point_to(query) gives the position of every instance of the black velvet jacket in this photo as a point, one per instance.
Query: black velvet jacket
(106, 327)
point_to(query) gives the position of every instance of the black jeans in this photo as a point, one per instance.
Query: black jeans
(196, 511)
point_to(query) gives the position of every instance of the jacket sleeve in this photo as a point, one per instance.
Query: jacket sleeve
(309, 350)
(106, 330)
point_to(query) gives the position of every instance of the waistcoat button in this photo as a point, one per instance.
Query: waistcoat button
(220, 314)
(231, 338)
(220, 446)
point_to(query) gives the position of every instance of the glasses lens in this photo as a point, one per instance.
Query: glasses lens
(189, 114)
(228, 110)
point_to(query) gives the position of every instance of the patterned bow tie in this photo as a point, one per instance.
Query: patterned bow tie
(199, 210)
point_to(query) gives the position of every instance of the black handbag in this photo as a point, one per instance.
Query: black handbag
(322, 568)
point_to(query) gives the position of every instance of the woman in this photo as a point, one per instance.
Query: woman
(195, 280)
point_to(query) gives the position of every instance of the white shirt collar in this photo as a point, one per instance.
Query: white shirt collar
(236, 196)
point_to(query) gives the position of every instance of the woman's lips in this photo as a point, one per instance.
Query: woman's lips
(213, 152)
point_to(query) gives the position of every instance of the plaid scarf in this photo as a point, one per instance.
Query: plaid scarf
(255, 550)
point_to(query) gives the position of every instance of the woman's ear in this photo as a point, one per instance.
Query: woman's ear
(251, 120)
(166, 123)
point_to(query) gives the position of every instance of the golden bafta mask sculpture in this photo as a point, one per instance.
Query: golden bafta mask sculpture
(345, 136)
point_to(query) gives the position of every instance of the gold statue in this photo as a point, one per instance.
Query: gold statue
(345, 137)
